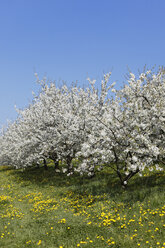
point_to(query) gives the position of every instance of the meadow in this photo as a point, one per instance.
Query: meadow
(42, 208)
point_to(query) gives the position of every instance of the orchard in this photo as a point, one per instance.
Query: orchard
(86, 130)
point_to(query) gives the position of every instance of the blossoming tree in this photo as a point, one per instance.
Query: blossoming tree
(123, 129)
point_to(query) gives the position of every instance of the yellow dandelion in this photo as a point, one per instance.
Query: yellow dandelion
(39, 242)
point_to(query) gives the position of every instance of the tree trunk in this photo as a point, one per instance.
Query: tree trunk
(45, 165)
(56, 164)
(68, 162)
(54, 157)
(131, 174)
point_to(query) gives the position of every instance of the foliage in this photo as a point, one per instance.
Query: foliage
(122, 129)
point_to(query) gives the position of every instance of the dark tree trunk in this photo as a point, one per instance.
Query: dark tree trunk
(131, 174)
(56, 164)
(68, 162)
(54, 157)
(45, 165)
(125, 180)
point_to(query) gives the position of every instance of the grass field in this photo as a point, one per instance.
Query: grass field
(41, 208)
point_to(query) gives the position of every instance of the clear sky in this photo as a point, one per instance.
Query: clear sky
(71, 40)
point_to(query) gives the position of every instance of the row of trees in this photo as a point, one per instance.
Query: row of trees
(123, 129)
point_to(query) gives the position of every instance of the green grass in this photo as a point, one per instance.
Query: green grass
(41, 208)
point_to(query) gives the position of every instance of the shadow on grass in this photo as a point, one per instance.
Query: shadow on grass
(104, 182)
(5, 168)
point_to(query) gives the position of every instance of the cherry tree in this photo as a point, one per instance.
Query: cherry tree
(130, 134)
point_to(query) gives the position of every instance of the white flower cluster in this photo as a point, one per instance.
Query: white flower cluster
(123, 129)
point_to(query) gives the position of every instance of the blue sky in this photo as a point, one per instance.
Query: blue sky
(71, 40)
